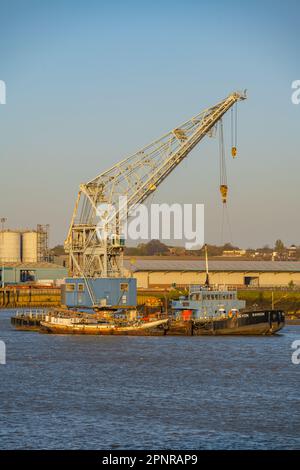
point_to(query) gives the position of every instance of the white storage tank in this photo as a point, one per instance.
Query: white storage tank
(30, 247)
(10, 246)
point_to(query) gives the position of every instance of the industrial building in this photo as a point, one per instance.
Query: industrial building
(16, 273)
(165, 273)
(24, 256)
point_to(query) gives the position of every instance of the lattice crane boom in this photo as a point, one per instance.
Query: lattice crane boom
(135, 177)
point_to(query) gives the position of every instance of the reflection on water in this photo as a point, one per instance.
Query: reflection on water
(148, 393)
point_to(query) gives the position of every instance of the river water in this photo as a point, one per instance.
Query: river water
(78, 392)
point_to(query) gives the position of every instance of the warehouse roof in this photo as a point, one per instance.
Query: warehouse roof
(199, 265)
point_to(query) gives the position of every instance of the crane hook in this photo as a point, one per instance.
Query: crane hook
(224, 192)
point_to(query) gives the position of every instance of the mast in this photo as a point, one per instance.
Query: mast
(206, 267)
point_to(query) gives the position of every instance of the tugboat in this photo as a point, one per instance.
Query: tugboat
(218, 312)
(210, 311)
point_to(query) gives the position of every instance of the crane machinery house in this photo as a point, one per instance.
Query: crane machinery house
(106, 292)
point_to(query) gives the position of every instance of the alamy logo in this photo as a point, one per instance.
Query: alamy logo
(296, 94)
(2, 353)
(167, 222)
(296, 353)
(2, 92)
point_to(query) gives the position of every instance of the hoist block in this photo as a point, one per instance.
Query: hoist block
(224, 192)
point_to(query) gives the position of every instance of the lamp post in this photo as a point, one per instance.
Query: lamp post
(3, 220)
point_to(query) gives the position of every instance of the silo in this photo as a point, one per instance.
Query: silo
(10, 246)
(30, 247)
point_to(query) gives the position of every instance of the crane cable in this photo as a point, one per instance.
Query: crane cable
(225, 220)
(223, 174)
(223, 184)
(234, 118)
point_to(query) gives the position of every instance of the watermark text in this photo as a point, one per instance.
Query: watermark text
(296, 94)
(2, 353)
(296, 353)
(2, 92)
(167, 222)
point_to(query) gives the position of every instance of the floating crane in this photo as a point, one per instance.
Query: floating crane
(136, 178)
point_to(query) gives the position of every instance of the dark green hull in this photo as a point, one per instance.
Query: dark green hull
(246, 323)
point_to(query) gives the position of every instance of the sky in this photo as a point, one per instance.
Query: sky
(90, 82)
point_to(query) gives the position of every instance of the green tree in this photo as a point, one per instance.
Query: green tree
(156, 247)
(58, 250)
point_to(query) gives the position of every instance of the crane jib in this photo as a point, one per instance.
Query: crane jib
(135, 177)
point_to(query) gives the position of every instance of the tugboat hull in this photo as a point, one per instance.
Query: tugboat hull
(247, 323)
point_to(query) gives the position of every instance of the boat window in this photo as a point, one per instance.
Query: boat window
(80, 287)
